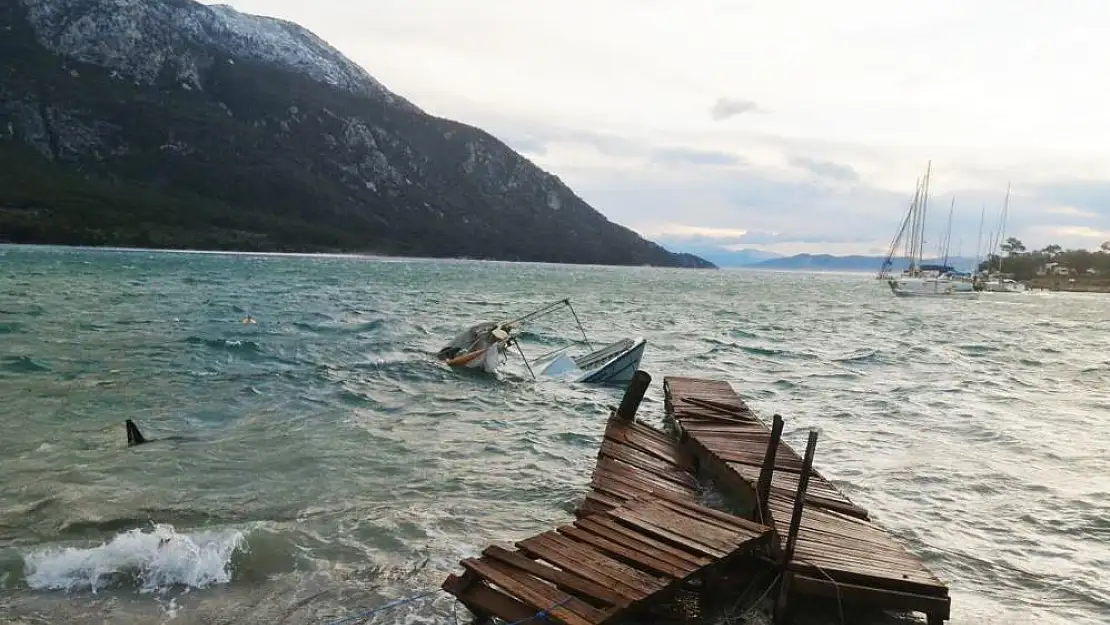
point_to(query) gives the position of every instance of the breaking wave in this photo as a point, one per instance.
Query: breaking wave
(147, 560)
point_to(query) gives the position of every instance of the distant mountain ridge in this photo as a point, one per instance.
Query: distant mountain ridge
(172, 124)
(722, 257)
(857, 263)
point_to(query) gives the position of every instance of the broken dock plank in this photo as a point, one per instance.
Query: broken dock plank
(637, 460)
(839, 552)
(605, 565)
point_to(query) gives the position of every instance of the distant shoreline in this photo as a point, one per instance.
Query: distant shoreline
(347, 255)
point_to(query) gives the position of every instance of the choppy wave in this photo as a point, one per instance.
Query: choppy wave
(335, 465)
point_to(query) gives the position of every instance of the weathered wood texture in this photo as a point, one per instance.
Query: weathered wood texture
(636, 459)
(607, 564)
(839, 553)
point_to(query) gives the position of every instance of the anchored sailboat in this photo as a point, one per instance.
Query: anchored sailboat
(920, 279)
(995, 281)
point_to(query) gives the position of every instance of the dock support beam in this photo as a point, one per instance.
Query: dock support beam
(795, 526)
(767, 472)
(633, 395)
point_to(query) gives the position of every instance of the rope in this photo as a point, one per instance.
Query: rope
(382, 608)
(542, 614)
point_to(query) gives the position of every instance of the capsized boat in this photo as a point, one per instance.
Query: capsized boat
(613, 364)
(481, 346)
(486, 345)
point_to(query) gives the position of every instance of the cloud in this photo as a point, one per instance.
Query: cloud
(695, 157)
(725, 108)
(1086, 196)
(1071, 211)
(827, 169)
(685, 231)
(1083, 232)
(627, 127)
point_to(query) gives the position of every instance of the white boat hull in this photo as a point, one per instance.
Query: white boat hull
(994, 286)
(930, 287)
(613, 364)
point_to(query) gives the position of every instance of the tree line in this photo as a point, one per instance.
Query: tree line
(1024, 264)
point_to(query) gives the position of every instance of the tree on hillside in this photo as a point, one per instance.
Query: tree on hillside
(1105, 246)
(1052, 250)
(1012, 246)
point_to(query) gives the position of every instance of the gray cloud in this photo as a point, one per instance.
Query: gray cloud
(713, 189)
(828, 169)
(1090, 195)
(725, 108)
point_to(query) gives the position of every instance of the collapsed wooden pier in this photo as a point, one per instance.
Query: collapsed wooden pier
(641, 536)
(828, 545)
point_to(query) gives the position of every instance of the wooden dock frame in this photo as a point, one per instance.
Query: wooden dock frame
(831, 548)
(639, 540)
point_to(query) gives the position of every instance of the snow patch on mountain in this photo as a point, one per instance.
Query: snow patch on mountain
(142, 39)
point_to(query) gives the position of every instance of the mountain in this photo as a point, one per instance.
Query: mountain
(870, 264)
(722, 257)
(168, 123)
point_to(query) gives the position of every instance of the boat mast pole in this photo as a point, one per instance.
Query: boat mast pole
(979, 243)
(1002, 226)
(911, 244)
(948, 233)
(924, 210)
(580, 328)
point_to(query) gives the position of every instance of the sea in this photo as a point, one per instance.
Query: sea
(320, 463)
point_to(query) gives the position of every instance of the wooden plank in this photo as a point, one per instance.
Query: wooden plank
(687, 542)
(642, 560)
(867, 575)
(637, 458)
(482, 600)
(722, 519)
(645, 439)
(705, 531)
(611, 465)
(601, 500)
(596, 524)
(565, 580)
(647, 582)
(537, 594)
(599, 572)
(896, 571)
(940, 607)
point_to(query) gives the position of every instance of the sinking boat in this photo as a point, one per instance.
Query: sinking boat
(482, 346)
(486, 345)
(613, 364)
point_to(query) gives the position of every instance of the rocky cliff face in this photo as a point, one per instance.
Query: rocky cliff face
(171, 123)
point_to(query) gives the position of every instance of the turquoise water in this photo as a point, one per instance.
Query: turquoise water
(320, 461)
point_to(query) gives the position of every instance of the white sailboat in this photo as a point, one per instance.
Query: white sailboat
(920, 279)
(996, 281)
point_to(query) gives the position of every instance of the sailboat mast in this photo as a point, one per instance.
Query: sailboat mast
(911, 243)
(1002, 226)
(979, 243)
(948, 231)
(923, 210)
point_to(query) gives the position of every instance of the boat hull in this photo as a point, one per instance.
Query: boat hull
(613, 364)
(619, 369)
(932, 288)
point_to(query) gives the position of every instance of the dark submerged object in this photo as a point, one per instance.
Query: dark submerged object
(134, 436)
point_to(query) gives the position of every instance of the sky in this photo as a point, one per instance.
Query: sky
(791, 126)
